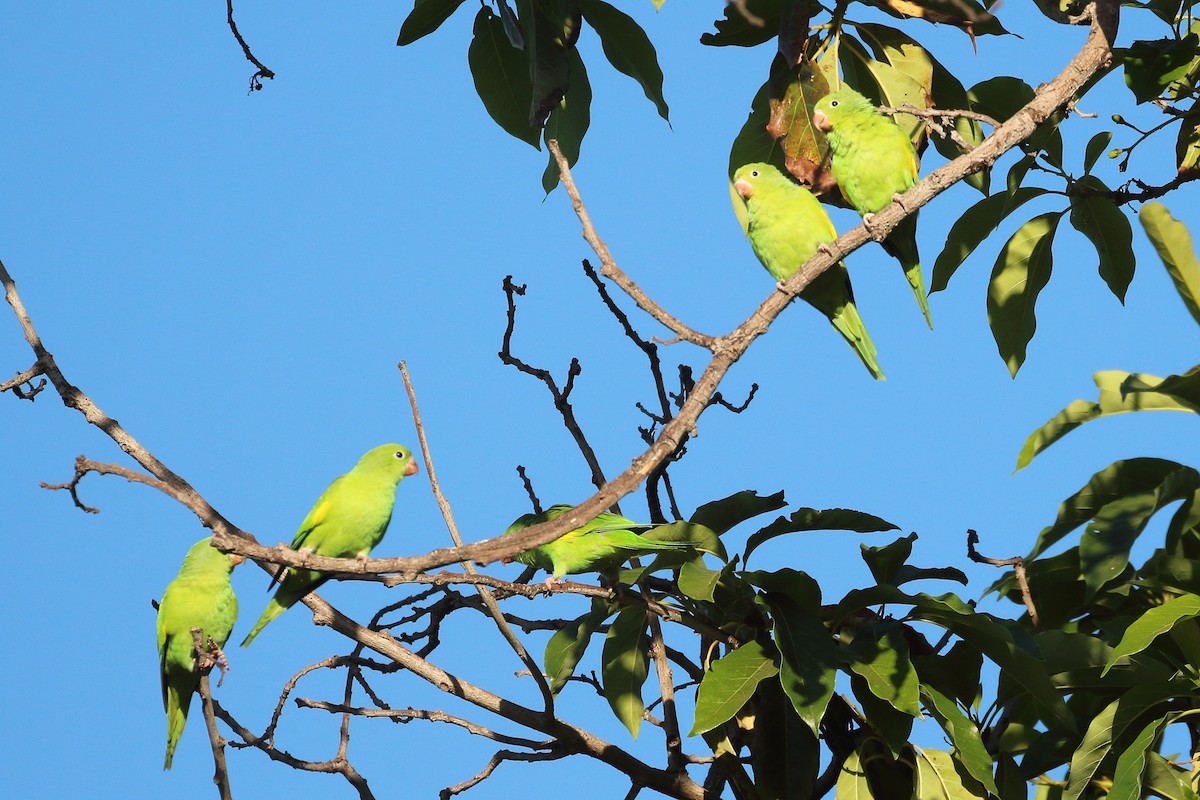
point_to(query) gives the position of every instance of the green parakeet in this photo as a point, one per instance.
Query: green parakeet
(199, 597)
(873, 161)
(347, 521)
(786, 227)
(601, 545)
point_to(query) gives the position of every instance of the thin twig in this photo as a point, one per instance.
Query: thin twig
(1018, 565)
(493, 762)
(409, 714)
(263, 71)
(14, 384)
(448, 515)
(205, 661)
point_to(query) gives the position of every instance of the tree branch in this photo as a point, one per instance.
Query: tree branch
(263, 71)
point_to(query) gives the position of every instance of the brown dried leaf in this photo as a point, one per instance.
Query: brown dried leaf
(804, 146)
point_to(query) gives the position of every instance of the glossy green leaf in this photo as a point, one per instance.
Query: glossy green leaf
(1120, 393)
(893, 726)
(1131, 764)
(1097, 741)
(852, 780)
(1100, 220)
(880, 655)
(811, 519)
(809, 658)
(1096, 147)
(886, 560)
(721, 515)
(1173, 244)
(1153, 65)
(624, 667)
(501, 74)
(568, 644)
(964, 735)
(569, 120)
(698, 581)
(1021, 271)
(937, 779)
(975, 225)
(1142, 632)
(882, 83)
(729, 683)
(799, 586)
(1166, 780)
(701, 537)
(954, 674)
(736, 30)
(628, 49)
(425, 18)
(1002, 96)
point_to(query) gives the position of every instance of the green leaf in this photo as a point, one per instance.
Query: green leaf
(955, 674)
(625, 665)
(569, 120)
(1096, 147)
(1152, 624)
(811, 519)
(549, 28)
(799, 586)
(1097, 741)
(627, 48)
(885, 561)
(975, 225)
(852, 780)
(1166, 780)
(1131, 764)
(1121, 478)
(701, 537)
(964, 734)
(1120, 393)
(937, 779)
(894, 727)
(736, 30)
(883, 84)
(730, 682)
(880, 655)
(1003, 96)
(501, 74)
(1153, 65)
(1100, 220)
(1021, 271)
(786, 756)
(809, 658)
(425, 18)
(1174, 246)
(721, 515)
(698, 581)
(568, 644)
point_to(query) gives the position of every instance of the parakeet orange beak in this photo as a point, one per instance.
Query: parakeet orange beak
(411, 469)
(236, 559)
(744, 189)
(822, 122)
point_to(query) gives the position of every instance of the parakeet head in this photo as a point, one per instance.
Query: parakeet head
(392, 460)
(837, 106)
(202, 556)
(753, 177)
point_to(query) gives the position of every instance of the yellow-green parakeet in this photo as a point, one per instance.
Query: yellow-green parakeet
(786, 227)
(347, 521)
(199, 597)
(873, 161)
(601, 545)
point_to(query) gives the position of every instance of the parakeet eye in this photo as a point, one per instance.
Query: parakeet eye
(753, 173)
(833, 103)
(399, 454)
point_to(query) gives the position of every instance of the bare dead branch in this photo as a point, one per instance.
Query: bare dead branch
(84, 465)
(263, 71)
(209, 655)
(495, 761)
(14, 384)
(1018, 565)
(533, 498)
(485, 595)
(409, 714)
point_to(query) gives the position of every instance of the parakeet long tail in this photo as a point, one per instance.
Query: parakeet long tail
(902, 245)
(273, 610)
(178, 698)
(845, 318)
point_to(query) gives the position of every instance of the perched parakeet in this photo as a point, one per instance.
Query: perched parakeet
(199, 597)
(601, 545)
(786, 227)
(873, 161)
(347, 521)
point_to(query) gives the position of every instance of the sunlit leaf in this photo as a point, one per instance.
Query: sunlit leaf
(721, 515)
(1153, 65)
(1100, 220)
(937, 779)
(1021, 271)
(1173, 244)
(804, 146)
(568, 644)
(1096, 147)
(729, 683)
(964, 734)
(975, 225)
(625, 665)
(880, 655)
(1142, 632)
(811, 519)
(809, 658)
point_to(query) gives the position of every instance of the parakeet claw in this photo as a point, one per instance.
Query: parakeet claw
(211, 656)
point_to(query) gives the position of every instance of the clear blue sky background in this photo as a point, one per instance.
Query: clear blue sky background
(235, 277)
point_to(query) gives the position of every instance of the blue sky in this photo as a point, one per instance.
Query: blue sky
(235, 277)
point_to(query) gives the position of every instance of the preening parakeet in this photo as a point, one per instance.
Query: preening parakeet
(601, 545)
(347, 521)
(199, 597)
(873, 161)
(786, 227)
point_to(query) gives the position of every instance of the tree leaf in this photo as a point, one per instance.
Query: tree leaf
(893, 726)
(1131, 764)
(1021, 271)
(885, 561)
(569, 643)
(1142, 632)
(975, 225)
(883, 84)
(1166, 780)
(721, 515)
(736, 30)
(968, 15)
(501, 74)
(964, 734)
(425, 18)
(628, 49)
(1091, 751)
(937, 779)
(1174, 246)
(880, 655)
(809, 658)
(798, 585)
(698, 581)
(625, 665)
(1096, 147)
(729, 683)
(569, 120)
(550, 26)
(701, 537)
(810, 519)
(804, 147)
(852, 780)
(1099, 219)
(1153, 65)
